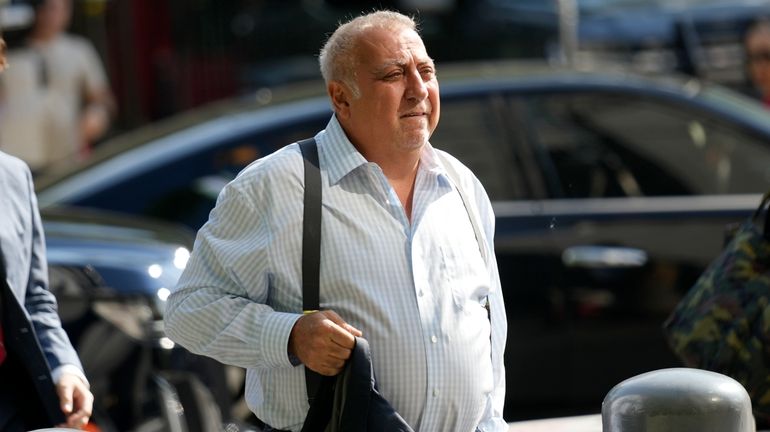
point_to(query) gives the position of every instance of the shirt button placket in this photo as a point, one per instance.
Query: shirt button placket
(432, 404)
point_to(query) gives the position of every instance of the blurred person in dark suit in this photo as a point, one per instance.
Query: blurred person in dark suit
(757, 45)
(58, 96)
(42, 383)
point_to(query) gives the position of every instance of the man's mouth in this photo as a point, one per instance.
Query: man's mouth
(414, 114)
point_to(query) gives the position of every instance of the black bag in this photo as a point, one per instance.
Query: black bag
(350, 402)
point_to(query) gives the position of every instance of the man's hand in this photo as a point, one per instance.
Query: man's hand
(75, 400)
(94, 122)
(323, 341)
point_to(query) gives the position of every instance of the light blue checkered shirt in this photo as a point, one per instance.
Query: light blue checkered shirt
(414, 290)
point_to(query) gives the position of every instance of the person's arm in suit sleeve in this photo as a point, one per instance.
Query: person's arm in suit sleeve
(67, 372)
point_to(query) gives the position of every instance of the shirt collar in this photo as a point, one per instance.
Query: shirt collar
(430, 161)
(339, 154)
(341, 157)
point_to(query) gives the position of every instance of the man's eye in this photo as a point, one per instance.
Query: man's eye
(393, 76)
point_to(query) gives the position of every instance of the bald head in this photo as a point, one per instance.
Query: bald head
(338, 58)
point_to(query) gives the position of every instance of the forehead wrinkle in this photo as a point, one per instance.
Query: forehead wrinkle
(408, 57)
(382, 67)
(404, 51)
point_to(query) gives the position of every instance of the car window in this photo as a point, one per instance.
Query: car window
(472, 130)
(192, 198)
(185, 189)
(609, 145)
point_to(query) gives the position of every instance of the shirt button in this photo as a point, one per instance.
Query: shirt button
(435, 392)
(434, 339)
(420, 293)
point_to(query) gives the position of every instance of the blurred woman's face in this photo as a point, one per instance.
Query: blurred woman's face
(758, 59)
(53, 17)
(3, 64)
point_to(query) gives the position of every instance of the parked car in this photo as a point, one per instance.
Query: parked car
(111, 276)
(611, 192)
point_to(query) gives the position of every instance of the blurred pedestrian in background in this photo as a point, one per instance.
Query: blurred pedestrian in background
(57, 95)
(401, 263)
(757, 45)
(31, 337)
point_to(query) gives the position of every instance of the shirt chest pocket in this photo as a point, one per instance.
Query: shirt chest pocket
(464, 271)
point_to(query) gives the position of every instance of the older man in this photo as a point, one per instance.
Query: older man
(400, 262)
(41, 380)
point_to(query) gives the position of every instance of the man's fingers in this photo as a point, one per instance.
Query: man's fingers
(64, 390)
(78, 420)
(354, 331)
(339, 353)
(342, 337)
(340, 322)
(330, 367)
(347, 331)
(333, 317)
(75, 400)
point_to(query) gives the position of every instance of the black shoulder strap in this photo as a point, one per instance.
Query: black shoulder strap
(311, 245)
(311, 227)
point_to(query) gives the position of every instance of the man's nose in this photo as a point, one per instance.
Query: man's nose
(416, 88)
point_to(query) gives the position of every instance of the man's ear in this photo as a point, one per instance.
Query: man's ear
(339, 95)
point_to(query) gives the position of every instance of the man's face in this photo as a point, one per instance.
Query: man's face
(398, 107)
(758, 56)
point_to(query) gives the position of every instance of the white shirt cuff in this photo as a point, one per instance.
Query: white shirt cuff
(70, 369)
(276, 331)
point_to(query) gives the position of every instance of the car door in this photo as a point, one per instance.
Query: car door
(609, 205)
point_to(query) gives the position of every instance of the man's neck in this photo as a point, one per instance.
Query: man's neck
(401, 172)
(42, 37)
(399, 168)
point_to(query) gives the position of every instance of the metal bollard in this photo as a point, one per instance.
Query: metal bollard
(678, 400)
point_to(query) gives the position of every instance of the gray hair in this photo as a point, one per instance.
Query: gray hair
(337, 58)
